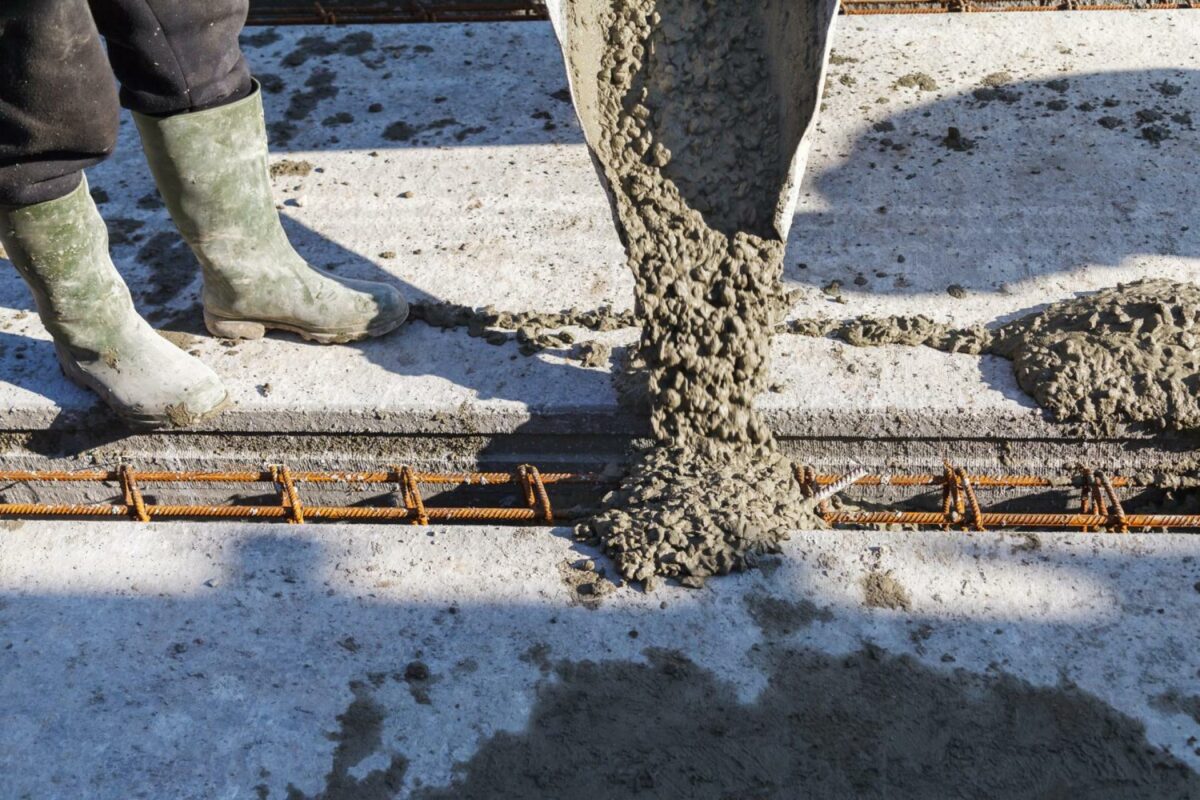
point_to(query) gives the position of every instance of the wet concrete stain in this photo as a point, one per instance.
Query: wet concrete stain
(538, 655)
(866, 725)
(359, 736)
(352, 44)
(1148, 125)
(1174, 702)
(151, 201)
(270, 82)
(337, 120)
(321, 86)
(402, 131)
(954, 140)
(124, 230)
(171, 268)
(778, 616)
(419, 679)
(263, 38)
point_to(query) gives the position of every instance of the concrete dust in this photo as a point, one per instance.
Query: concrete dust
(1124, 356)
(867, 725)
(695, 201)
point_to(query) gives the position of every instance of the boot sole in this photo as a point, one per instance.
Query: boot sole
(225, 328)
(77, 376)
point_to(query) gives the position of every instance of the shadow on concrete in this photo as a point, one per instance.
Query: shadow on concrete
(266, 666)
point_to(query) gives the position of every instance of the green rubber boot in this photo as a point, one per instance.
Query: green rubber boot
(211, 169)
(60, 247)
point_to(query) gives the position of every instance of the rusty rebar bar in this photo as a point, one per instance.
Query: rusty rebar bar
(1100, 505)
(1013, 519)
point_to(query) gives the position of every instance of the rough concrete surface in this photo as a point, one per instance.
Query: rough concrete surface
(257, 661)
(452, 148)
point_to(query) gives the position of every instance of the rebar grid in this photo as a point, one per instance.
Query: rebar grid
(1100, 506)
(291, 508)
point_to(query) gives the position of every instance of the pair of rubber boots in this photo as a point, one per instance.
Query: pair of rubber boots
(212, 172)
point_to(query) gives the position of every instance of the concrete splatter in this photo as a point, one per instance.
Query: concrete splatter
(881, 590)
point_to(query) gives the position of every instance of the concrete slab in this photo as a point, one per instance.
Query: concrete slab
(505, 210)
(258, 661)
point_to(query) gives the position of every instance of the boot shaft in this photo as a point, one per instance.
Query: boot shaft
(212, 172)
(60, 248)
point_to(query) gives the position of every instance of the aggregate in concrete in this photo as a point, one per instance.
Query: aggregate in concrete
(448, 158)
(259, 661)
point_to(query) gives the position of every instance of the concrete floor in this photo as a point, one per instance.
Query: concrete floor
(227, 661)
(253, 661)
(506, 210)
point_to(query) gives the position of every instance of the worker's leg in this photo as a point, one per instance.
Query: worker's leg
(202, 127)
(174, 56)
(58, 113)
(58, 101)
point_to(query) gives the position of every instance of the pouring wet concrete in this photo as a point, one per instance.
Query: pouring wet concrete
(488, 198)
(252, 661)
(696, 202)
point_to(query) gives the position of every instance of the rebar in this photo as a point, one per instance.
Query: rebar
(530, 497)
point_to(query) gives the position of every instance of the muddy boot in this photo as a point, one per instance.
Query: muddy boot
(60, 247)
(211, 169)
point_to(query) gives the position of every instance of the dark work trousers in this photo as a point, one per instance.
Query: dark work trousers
(59, 105)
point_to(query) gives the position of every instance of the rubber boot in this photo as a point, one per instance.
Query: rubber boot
(60, 247)
(211, 170)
